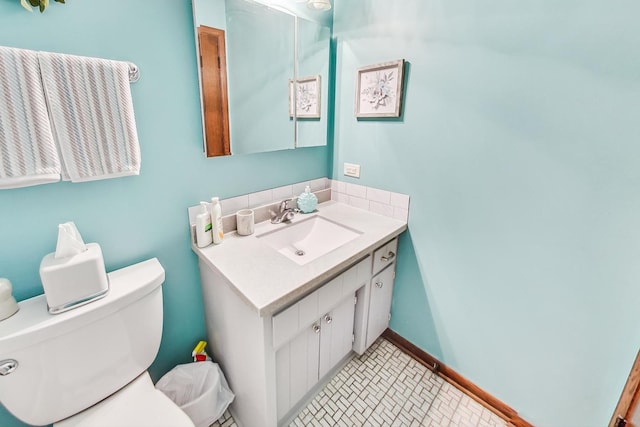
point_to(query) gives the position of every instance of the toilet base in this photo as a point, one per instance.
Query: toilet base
(137, 404)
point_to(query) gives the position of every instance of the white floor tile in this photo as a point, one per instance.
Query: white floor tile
(386, 387)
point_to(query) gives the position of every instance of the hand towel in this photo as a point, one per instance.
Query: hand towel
(92, 117)
(28, 155)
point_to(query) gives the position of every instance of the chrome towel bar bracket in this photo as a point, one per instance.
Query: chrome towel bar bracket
(134, 73)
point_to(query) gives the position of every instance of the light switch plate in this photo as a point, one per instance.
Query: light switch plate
(351, 169)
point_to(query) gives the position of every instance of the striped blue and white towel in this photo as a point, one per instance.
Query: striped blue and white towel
(28, 155)
(92, 116)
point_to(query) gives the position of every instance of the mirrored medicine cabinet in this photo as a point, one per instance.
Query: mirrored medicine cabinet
(264, 75)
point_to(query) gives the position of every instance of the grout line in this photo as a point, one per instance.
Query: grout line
(426, 414)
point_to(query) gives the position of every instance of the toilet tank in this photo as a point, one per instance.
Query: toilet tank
(67, 362)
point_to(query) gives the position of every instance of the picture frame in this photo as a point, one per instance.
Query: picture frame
(379, 90)
(307, 97)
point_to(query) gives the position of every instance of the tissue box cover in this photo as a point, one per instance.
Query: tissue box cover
(73, 281)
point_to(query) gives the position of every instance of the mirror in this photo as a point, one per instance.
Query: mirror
(313, 60)
(267, 47)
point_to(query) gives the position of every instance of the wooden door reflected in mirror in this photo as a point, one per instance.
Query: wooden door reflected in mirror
(215, 102)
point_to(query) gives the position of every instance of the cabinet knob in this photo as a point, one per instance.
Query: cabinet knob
(388, 257)
(379, 283)
(316, 328)
(327, 318)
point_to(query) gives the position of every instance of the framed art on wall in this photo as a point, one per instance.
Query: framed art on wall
(379, 90)
(307, 97)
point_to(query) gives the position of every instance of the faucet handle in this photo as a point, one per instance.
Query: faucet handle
(284, 205)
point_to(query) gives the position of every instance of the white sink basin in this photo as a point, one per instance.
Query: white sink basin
(306, 240)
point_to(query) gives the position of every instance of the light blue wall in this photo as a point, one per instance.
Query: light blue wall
(520, 149)
(136, 218)
(518, 146)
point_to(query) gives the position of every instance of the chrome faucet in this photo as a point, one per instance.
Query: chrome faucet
(285, 213)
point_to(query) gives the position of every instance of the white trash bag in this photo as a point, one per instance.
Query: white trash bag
(199, 389)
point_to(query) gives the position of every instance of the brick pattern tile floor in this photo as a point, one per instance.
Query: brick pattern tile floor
(386, 387)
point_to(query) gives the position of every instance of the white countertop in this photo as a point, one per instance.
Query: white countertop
(269, 281)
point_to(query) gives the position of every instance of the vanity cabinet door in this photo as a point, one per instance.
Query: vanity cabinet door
(336, 335)
(380, 303)
(297, 368)
(310, 355)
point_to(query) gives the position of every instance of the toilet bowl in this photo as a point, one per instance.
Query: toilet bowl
(88, 366)
(137, 404)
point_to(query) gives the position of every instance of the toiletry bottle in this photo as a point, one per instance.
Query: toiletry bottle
(307, 201)
(216, 221)
(203, 227)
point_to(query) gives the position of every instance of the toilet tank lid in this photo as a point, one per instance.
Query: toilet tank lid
(33, 323)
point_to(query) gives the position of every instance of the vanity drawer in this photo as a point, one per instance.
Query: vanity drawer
(303, 313)
(385, 255)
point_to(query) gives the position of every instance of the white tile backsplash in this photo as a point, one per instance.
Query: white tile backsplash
(381, 208)
(381, 196)
(357, 190)
(318, 184)
(340, 197)
(400, 200)
(338, 186)
(400, 213)
(282, 193)
(359, 202)
(260, 198)
(383, 202)
(193, 211)
(234, 204)
(299, 187)
(268, 197)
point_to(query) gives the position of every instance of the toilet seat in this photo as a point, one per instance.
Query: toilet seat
(137, 404)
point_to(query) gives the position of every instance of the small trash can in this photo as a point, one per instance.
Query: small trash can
(199, 389)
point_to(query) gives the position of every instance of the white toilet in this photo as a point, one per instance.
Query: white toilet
(88, 366)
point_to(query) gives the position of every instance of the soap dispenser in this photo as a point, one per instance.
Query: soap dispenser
(203, 227)
(307, 201)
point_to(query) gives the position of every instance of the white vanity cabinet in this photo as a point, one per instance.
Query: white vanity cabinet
(272, 362)
(280, 329)
(275, 362)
